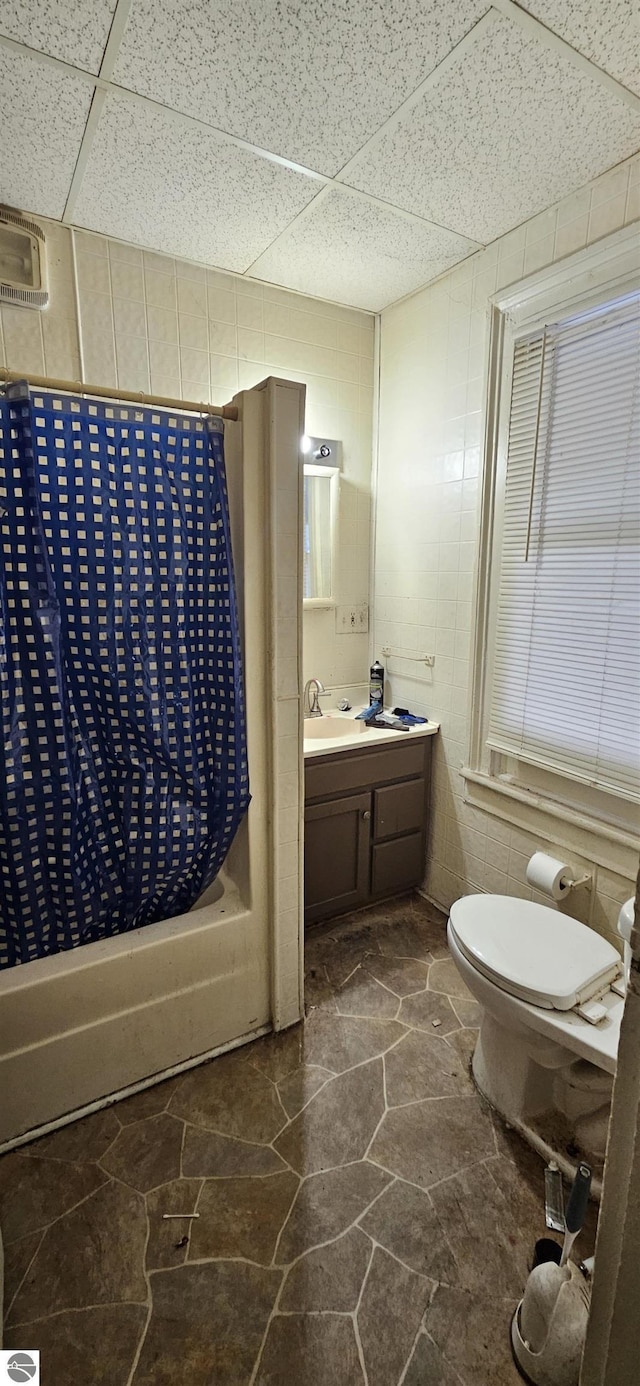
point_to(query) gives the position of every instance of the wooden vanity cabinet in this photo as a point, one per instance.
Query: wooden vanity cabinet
(365, 824)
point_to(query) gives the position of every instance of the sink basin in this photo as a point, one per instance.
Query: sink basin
(321, 728)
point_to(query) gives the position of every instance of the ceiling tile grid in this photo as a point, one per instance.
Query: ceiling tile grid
(308, 81)
(43, 113)
(608, 34)
(359, 252)
(157, 179)
(348, 149)
(76, 31)
(509, 130)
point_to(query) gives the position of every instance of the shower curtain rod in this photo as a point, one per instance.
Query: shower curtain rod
(76, 387)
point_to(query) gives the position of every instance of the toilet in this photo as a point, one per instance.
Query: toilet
(552, 996)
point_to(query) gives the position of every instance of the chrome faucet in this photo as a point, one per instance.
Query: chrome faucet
(310, 705)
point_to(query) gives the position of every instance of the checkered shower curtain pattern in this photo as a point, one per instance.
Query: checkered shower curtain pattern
(123, 756)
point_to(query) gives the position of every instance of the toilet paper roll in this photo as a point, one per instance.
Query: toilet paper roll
(549, 876)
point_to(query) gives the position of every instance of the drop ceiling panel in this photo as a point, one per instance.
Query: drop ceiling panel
(353, 251)
(310, 81)
(159, 180)
(43, 113)
(608, 34)
(508, 130)
(74, 30)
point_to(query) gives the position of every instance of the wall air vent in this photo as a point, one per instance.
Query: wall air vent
(23, 267)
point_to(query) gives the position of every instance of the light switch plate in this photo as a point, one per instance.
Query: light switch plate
(352, 620)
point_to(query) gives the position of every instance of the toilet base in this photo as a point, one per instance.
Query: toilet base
(558, 1103)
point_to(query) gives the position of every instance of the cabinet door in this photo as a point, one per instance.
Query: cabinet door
(336, 856)
(397, 865)
(399, 808)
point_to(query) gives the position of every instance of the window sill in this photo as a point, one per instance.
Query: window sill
(603, 843)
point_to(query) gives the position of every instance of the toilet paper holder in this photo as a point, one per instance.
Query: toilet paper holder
(574, 881)
(553, 877)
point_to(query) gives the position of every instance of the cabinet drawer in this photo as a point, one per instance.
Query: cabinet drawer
(399, 808)
(342, 773)
(398, 865)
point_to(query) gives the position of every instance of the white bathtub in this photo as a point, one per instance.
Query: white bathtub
(95, 1021)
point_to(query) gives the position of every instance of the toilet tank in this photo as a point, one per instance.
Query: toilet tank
(625, 920)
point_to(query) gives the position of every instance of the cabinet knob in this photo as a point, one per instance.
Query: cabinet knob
(367, 813)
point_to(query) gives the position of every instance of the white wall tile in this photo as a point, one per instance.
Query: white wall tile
(194, 365)
(23, 340)
(160, 288)
(60, 336)
(129, 317)
(132, 362)
(606, 217)
(162, 324)
(191, 299)
(93, 273)
(421, 512)
(194, 332)
(164, 360)
(250, 313)
(127, 279)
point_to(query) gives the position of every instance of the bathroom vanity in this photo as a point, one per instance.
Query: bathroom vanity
(366, 813)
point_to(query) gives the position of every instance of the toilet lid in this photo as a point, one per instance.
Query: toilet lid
(533, 952)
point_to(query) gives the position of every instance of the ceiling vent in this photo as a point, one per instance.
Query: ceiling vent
(23, 269)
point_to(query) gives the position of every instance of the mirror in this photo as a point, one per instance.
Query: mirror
(319, 534)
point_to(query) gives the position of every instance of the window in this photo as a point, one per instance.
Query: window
(558, 644)
(320, 534)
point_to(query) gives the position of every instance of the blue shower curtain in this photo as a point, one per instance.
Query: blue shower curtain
(123, 759)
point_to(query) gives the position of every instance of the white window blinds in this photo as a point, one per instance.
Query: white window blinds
(565, 690)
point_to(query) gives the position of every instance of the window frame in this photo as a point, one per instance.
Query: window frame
(502, 784)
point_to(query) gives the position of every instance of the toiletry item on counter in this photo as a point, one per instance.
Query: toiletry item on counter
(368, 713)
(411, 718)
(376, 683)
(344, 705)
(375, 717)
(386, 721)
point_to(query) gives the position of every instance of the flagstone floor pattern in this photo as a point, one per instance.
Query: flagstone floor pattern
(364, 1220)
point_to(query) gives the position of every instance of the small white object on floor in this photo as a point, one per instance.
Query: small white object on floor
(180, 1215)
(436, 1023)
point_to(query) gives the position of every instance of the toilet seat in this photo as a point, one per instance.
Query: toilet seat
(533, 952)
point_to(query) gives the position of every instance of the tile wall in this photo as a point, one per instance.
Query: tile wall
(152, 323)
(433, 362)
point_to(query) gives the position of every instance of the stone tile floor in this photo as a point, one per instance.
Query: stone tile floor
(364, 1219)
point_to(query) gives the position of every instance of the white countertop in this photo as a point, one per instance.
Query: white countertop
(351, 733)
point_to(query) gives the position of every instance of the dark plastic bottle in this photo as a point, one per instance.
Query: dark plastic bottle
(376, 684)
